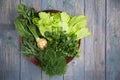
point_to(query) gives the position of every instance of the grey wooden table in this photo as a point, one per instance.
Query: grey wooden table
(100, 53)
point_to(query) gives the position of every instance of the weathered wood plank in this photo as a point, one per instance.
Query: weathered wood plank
(52, 5)
(48, 4)
(30, 71)
(9, 55)
(113, 40)
(95, 45)
(69, 6)
(7, 27)
(8, 11)
(33, 3)
(75, 69)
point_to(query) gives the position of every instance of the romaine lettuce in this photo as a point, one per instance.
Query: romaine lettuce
(56, 21)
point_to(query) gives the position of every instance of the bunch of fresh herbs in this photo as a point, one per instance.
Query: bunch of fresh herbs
(50, 37)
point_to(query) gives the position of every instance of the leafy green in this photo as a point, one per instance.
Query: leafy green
(84, 32)
(21, 26)
(29, 47)
(65, 44)
(25, 11)
(65, 17)
(24, 20)
(45, 17)
(71, 25)
(53, 57)
(27, 14)
(52, 63)
(77, 25)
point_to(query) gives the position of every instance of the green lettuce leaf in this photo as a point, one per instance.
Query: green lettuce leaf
(65, 17)
(84, 32)
(62, 21)
(77, 25)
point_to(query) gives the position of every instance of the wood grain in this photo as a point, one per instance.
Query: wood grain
(113, 40)
(9, 55)
(95, 44)
(8, 11)
(100, 53)
(36, 4)
(29, 71)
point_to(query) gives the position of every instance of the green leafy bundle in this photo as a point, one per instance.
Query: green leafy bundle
(50, 37)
